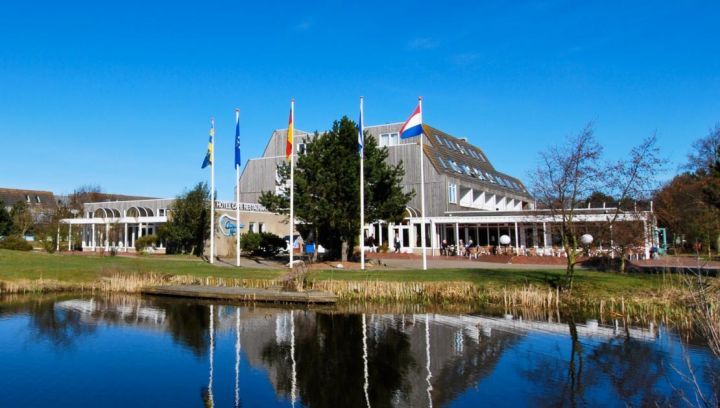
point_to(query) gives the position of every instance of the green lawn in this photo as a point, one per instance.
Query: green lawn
(33, 265)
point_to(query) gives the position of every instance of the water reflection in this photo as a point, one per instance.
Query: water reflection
(255, 356)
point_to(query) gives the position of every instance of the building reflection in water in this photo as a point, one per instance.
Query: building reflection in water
(330, 359)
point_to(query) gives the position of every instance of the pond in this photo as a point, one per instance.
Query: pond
(147, 352)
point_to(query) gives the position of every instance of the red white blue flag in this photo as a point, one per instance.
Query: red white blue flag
(413, 126)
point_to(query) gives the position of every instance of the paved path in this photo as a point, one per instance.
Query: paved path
(415, 262)
(444, 263)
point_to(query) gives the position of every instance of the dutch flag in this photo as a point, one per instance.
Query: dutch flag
(413, 126)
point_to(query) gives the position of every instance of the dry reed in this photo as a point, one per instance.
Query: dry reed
(666, 306)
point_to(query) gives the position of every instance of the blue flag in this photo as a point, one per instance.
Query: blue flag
(209, 155)
(237, 138)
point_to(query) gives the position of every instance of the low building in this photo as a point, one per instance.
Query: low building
(116, 225)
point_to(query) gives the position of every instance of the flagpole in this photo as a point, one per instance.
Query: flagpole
(361, 138)
(422, 192)
(292, 183)
(212, 194)
(237, 191)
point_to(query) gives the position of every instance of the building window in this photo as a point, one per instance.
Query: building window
(161, 212)
(454, 166)
(302, 148)
(37, 199)
(261, 227)
(452, 193)
(27, 198)
(251, 227)
(389, 139)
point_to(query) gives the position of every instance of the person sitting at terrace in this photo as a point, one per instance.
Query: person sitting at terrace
(444, 247)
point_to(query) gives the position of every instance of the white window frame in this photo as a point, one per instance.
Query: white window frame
(452, 192)
(389, 139)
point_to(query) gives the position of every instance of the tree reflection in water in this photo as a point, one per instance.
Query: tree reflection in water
(188, 323)
(330, 365)
(633, 368)
(61, 326)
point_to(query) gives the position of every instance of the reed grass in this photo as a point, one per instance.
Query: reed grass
(530, 301)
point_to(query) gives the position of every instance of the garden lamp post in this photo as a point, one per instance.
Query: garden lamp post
(504, 240)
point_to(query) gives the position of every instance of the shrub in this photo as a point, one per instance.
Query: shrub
(261, 244)
(144, 242)
(49, 244)
(16, 242)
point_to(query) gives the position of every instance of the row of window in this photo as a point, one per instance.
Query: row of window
(257, 227)
(161, 212)
(466, 150)
(479, 174)
(452, 193)
(29, 200)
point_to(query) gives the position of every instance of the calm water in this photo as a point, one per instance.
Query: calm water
(138, 352)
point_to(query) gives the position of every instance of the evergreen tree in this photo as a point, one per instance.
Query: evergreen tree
(188, 225)
(327, 188)
(6, 224)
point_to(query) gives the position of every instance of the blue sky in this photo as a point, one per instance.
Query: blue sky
(120, 94)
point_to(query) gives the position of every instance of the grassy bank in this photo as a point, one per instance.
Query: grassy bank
(594, 290)
(17, 265)
(587, 282)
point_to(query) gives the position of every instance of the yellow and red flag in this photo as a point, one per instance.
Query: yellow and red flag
(291, 125)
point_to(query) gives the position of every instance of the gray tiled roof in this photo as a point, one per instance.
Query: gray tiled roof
(457, 157)
(35, 199)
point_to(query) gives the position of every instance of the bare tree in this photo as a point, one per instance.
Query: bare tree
(631, 179)
(22, 217)
(84, 194)
(567, 174)
(571, 172)
(706, 152)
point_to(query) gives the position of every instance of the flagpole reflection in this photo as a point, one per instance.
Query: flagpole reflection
(210, 401)
(293, 383)
(366, 376)
(237, 357)
(427, 356)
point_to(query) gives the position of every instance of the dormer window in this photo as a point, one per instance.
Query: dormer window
(27, 198)
(37, 199)
(442, 162)
(389, 139)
